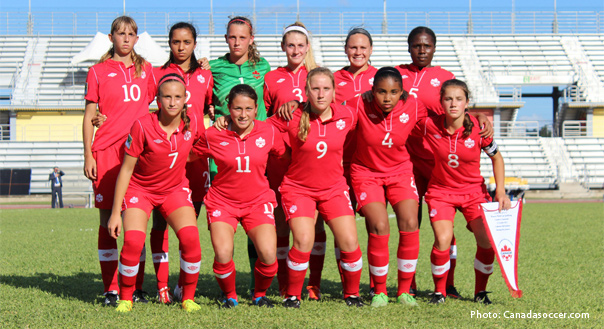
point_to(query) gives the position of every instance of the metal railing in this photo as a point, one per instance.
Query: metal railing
(319, 22)
(519, 129)
(574, 128)
(4, 132)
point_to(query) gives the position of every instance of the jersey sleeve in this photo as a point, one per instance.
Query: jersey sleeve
(420, 127)
(135, 144)
(267, 99)
(422, 111)
(209, 90)
(278, 144)
(201, 148)
(278, 123)
(152, 86)
(91, 92)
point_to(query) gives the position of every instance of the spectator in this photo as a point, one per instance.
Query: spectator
(56, 184)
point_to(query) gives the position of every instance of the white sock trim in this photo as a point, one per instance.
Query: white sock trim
(318, 248)
(128, 271)
(453, 252)
(160, 257)
(378, 270)
(297, 266)
(222, 276)
(352, 267)
(440, 269)
(108, 255)
(282, 252)
(189, 268)
(484, 268)
(406, 265)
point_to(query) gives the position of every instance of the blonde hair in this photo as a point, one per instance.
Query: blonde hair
(139, 61)
(252, 51)
(309, 59)
(304, 125)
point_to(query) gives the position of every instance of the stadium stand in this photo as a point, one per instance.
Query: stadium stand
(587, 155)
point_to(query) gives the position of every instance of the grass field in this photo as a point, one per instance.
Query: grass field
(50, 277)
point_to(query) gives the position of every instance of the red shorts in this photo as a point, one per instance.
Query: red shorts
(422, 171)
(331, 204)
(443, 206)
(108, 165)
(275, 171)
(348, 176)
(166, 204)
(198, 174)
(379, 189)
(253, 214)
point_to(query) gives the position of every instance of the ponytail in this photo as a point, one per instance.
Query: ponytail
(138, 61)
(309, 59)
(467, 125)
(185, 118)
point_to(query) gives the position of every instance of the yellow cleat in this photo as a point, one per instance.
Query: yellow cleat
(124, 306)
(190, 306)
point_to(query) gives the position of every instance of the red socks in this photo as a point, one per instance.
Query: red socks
(483, 267)
(190, 260)
(378, 257)
(159, 248)
(440, 269)
(317, 258)
(225, 276)
(297, 264)
(134, 242)
(352, 263)
(264, 275)
(407, 254)
(453, 257)
(108, 257)
(282, 250)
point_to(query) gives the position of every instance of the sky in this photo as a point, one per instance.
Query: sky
(534, 109)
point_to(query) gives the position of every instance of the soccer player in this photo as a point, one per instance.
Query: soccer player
(382, 172)
(153, 176)
(456, 183)
(240, 193)
(423, 81)
(199, 83)
(241, 65)
(315, 180)
(117, 86)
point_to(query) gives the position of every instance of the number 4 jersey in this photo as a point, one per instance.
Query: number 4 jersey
(120, 95)
(457, 158)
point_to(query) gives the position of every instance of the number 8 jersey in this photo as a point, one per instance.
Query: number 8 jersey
(457, 159)
(120, 95)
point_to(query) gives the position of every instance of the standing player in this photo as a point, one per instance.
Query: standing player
(117, 86)
(382, 172)
(241, 65)
(285, 87)
(456, 183)
(240, 193)
(315, 181)
(153, 176)
(199, 83)
(423, 81)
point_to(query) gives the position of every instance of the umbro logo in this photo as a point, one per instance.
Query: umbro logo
(280, 80)
(224, 143)
(372, 116)
(404, 76)
(157, 141)
(437, 136)
(111, 75)
(343, 83)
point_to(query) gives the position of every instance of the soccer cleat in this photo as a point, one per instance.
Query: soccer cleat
(482, 298)
(413, 292)
(124, 306)
(452, 292)
(177, 293)
(291, 302)
(163, 296)
(251, 292)
(371, 292)
(263, 302)
(190, 306)
(314, 293)
(111, 298)
(229, 303)
(406, 299)
(437, 298)
(354, 301)
(379, 300)
(140, 296)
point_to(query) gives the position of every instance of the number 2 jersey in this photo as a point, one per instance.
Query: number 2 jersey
(317, 163)
(161, 161)
(120, 95)
(457, 159)
(381, 137)
(241, 162)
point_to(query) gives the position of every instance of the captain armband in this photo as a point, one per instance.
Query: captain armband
(491, 149)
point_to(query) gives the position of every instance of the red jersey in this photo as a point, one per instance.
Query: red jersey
(241, 162)
(120, 96)
(199, 86)
(348, 86)
(283, 85)
(457, 159)
(317, 163)
(161, 161)
(382, 137)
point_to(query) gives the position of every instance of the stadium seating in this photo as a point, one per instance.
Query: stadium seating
(587, 156)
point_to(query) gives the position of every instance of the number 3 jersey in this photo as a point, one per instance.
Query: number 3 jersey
(241, 162)
(457, 158)
(120, 95)
(161, 161)
(281, 86)
(381, 137)
(317, 163)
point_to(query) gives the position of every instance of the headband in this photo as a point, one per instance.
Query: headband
(170, 78)
(243, 21)
(296, 28)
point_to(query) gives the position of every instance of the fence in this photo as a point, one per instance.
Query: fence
(519, 129)
(574, 128)
(327, 22)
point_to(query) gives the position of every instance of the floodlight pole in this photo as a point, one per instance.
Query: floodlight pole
(211, 27)
(385, 21)
(470, 23)
(513, 16)
(124, 7)
(254, 13)
(30, 24)
(555, 24)
(297, 10)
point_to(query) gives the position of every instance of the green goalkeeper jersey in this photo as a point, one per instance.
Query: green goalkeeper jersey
(227, 75)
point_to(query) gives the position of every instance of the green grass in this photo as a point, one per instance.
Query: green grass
(50, 277)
